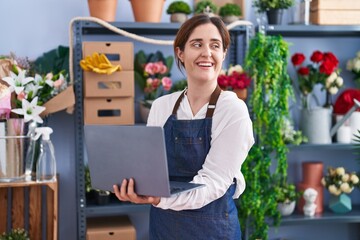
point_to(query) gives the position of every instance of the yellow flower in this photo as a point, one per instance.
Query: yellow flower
(354, 178)
(340, 171)
(346, 188)
(323, 182)
(334, 190)
(345, 177)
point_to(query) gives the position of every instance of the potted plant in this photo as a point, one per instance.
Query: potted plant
(235, 79)
(179, 11)
(103, 9)
(147, 11)
(206, 6)
(266, 63)
(273, 9)
(230, 12)
(152, 74)
(339, 183)
(15, 234)
(286, 197)
(101, 197)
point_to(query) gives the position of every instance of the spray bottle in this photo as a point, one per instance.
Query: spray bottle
(31, 153)
(46, 165)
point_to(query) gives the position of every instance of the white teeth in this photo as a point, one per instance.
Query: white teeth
(205, 64)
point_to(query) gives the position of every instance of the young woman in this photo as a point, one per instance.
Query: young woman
(208, 135)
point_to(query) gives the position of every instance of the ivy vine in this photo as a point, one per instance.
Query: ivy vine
(266, 62)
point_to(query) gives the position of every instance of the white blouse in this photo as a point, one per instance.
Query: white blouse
(231, 139)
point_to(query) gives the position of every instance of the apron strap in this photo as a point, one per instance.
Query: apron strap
(211, 107)
(213, 100)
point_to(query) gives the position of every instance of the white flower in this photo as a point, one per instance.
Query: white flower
(32, 89)
(354, 178)
(331, 79)
(356, 64)
(333, 90)
(323, 182)
(345, 177)
(349, 65)
(30, 110)
(339, 81)
(334, 190)
(340, 171)
(236, 68)
(17, 82)
(345, 187)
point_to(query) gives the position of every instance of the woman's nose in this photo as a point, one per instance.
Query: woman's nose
(207, 52)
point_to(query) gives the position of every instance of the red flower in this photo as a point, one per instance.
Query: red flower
(297, 59)
(327, 67)
(329, 56)
(304, 71)
(346, 100)
(317, 57)
(236, 80)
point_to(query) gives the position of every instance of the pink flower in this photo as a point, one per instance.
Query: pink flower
(167, 83)
(21, 96)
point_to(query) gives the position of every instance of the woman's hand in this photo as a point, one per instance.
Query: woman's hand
(126, 193)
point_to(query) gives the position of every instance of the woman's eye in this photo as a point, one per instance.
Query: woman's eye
(216, 46)
(197, 45)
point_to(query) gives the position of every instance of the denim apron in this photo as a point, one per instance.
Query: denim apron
(187, 144)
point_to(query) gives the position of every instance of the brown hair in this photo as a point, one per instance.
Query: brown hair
(188, 27)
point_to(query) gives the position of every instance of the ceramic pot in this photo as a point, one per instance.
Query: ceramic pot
(286, 209)
(178, 17)
(312, 172)
(103, 9)
(241, 93)
(147, 11)
(274, 16)
(144, 111)
(230, 19)
(340, 204)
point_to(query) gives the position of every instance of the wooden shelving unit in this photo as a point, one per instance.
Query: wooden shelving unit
(32, 206)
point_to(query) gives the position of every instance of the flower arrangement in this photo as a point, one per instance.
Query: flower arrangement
(338, 181)
(152, 74)
(233, 78)
(25, 95)
(290, 135)
(323, 70)
(353, 65)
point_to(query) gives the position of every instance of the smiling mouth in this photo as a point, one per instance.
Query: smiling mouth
(205, 64)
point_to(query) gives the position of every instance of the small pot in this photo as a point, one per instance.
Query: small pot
(178, 17)
(286, 209)
(230, 19)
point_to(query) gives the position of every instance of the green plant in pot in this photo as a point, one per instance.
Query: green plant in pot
(206, 6)
(286, 197)
(230, 12)
(266, 63)
(273, 9)
(179, 11)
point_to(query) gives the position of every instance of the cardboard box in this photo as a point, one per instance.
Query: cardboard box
(118, 84)
(110, 228)
(335, 12)
(119, 53)
(221, 3)
(114, 111)
(64, 100)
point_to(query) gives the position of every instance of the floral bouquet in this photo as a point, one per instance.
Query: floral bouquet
(233, 78)
(25, 95)
(338, 181)
(323, 70)
(353, 65)
(152, 74)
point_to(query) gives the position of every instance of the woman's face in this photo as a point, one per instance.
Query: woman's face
(203, 54)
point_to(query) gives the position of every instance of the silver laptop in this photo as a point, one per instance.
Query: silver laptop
(116, 152)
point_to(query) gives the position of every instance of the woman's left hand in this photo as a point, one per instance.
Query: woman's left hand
(126, 193)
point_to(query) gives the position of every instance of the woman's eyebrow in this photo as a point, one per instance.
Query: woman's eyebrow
(200, 40)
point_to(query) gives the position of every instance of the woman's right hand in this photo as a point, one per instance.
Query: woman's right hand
(126, 192)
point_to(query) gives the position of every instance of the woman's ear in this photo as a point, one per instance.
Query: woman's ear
(180, 54)
(224, 54)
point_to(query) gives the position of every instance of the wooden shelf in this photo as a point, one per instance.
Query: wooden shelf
(30, 205)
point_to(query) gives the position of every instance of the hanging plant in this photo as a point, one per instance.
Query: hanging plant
(266, 63)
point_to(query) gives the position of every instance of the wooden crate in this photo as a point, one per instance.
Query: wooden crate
(22, 203)
(221, 3)
(335, 12)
